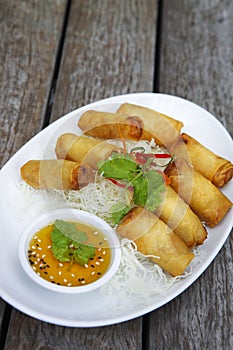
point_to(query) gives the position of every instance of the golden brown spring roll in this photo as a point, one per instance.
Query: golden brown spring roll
(163, 129)
(204, 198)
(153, 237)
(217, 169)
(181, 219)
(83, 149)
(106, 125)
(57, 174)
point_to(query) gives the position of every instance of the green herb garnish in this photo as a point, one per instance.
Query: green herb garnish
(68, 243)
(118, 211)
(148, 185)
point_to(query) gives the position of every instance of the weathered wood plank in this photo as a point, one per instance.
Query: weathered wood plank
(2, 306)
(109, 50)
(34, 334)
(30, 32)
(196, 61)
(196, 55)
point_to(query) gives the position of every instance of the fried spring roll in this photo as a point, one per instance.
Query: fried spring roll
(181, 219)
(83, 149)
(56, 174)
(153, 237)
(163, 129)
(204, 198)
(106, 125)
(217, 169)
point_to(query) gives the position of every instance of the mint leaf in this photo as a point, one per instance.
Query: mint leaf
(140, 195)
(118, 211)
(69, 229)
(156, 187)
(147, 190)
(65, 248)
(60, 244)
(119, 167)
(84, 253)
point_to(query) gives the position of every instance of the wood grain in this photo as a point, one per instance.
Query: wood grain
(33, 334)
(196, 55)
(2, 306)
(30, 32)
(96, 63)
(108, 51)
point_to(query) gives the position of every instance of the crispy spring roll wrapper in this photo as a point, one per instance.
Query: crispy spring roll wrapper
(138, 123)
(181, 219)
(163, 129)
(153, 237)
(57, 174)
(215, 168)
(204, 198)
(106, 125)
(83, 149)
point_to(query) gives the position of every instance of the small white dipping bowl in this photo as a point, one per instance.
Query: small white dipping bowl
(71, 215)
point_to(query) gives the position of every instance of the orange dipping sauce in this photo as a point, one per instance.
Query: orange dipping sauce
(69, 274)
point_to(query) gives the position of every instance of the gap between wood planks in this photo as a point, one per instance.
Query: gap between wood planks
(48, 110)
(156, 86)
(8, 308)
(57, 64)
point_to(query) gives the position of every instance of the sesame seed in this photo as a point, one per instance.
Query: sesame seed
(33, 253)
(101, 260)
(99, 249)
(39, 248)
(86, 265)
(65, 280)
(59, 273)
(60, 264)
(51, 277)
(38, 273)
(83, 282)
(105, 239)
(35, 237)
(96, 233)
(93, 273)
(39, 240)
(33, 247)
(104, 252)
(44, 255)
(97, 263)
(49, 247)
(69, 284)
(34, 268)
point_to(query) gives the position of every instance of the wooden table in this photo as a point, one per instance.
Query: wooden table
(58, 55)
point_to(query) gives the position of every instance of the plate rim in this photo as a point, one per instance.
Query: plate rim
(76, 323)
